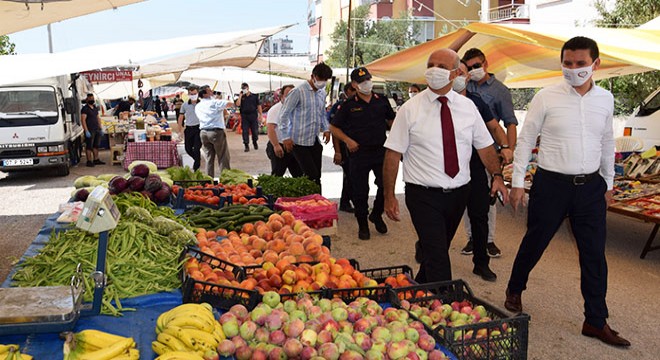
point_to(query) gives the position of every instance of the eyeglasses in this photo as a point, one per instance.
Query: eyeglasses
(475, 66)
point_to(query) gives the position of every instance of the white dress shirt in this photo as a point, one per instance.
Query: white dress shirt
(417, 134)
(576, 133)
(274, 118)
(210, 113)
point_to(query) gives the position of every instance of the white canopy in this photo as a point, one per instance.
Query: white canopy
(18, 15)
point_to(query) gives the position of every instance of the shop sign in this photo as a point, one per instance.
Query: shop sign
(108, 76)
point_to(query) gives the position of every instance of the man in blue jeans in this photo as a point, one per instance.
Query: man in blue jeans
(93, 130)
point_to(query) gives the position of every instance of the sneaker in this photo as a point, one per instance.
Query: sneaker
(467, 250)
(98, 162)
(247, 148)
(256, 146)
(493, 251)
(90, 164)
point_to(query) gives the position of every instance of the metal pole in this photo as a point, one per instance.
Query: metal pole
(348, 39)
(318, 44)
(50, 39)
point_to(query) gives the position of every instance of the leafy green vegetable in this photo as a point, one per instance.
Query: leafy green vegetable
(185, 173)
(235, 176)
(287, 186)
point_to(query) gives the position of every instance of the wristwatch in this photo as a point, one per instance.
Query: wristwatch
(504, 146)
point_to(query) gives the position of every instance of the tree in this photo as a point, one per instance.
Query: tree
(629, 90)
(6, 47)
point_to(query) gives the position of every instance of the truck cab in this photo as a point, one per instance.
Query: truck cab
(39, 126)
(644, 123)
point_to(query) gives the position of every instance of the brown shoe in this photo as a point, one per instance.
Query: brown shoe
(513, 302)
(605, 335)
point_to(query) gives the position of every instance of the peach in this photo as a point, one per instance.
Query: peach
(288, 217)
(273, 271)
(281, 264)
(296, 249)
(259, 244)
(221, 232)
(270, 256)
(247, 228)
(301, 274)
(337, 270)
(276, 217)
(313, 249)
(275, 225)
(305, 258)
(290, 258)
(301, 286)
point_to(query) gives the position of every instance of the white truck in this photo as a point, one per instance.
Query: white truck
(40, 125)
(644, 123)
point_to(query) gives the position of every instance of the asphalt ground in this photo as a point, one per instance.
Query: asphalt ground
(553, 297)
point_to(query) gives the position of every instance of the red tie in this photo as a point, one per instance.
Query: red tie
(448, 139)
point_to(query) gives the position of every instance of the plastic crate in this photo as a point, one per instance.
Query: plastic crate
(380, 294)
(219, 296)
(182, 203)
(381, 273)
(214, 262)
(187, 183)
(462, 341)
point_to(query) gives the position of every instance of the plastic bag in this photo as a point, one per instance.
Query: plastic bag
(314, 210)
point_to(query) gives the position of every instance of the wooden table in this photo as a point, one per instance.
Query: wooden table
(648, 247)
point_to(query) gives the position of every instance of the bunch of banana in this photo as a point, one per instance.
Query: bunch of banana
(189, 331)
(12, 352)
(98, 345)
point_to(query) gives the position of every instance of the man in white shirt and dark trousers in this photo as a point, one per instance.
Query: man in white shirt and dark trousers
(435, 132)
(280, 160)
(210, 112)
(574, 179)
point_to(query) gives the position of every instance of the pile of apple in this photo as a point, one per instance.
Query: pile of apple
(323, 329)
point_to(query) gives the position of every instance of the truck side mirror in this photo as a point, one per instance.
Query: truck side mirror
(69, 105)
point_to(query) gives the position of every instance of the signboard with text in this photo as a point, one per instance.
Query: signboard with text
(108, 76)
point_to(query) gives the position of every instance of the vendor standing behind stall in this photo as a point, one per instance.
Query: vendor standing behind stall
(93, 131)
(209, 111)
(193, 142)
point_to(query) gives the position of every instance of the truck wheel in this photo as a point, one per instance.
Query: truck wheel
(74, 152)
(63, 170)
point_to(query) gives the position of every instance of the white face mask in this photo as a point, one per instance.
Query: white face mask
(365, 87)
(411, 94)
(320, 84)
(436, 77)
(460, 82)
(477, 74)
(577, 77)
(193, 97)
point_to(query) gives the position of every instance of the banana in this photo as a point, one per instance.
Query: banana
(200, 312)
(159, 348)
(109, 352)
(218, 333)
(189, 307)
(179, 355)
(133, 354)
(5, 348)
(192, 320)
(172, 342)
(95, 340)
(178, 333)
(202, 336)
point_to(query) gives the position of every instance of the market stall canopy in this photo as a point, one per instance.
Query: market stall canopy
(293, 66)
(18, 15)
(228, 80)
(116, 90)
(240, 51)
(528, 56)
(22, 68)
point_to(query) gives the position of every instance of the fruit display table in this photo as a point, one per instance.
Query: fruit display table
(629, 209)
(161, 153)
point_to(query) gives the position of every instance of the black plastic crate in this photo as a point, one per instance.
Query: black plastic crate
(381, 273)
(319, 294)
(219, 296)
(510, 343)
(380, 294)
(214, 262)
(182, 203)
(188, 183)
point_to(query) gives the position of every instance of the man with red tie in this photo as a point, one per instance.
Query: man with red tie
(435, 132)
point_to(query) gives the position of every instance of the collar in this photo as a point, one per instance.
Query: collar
(568, 89)
(432, 97)
(491, 79)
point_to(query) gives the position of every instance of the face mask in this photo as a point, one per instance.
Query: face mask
(365, 87)
(437, 78)
(460, 82)
(411, 94)
(90, 102)
(477, 74)
(320, 84)
(577, 77)
(193, 97)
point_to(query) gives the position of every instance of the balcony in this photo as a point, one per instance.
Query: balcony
(511, 13)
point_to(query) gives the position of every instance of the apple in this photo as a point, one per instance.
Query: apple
(380, 346)
(258, 354)
(330, 325)
(446, 310)
(397, 349)
(426, 320)
(227, 317)
(226, 348)
(435, 304)
(435, 316)
(455, 305)
(294, 328)
(290, 305)
(277, 337)
(481, 310)
(363, 340)
(240, 311)
(362, 325)
(304, 303)
(324, 336)
(298, 314)
(426, 342)
(421, 354)
(277, 353)
(211, 355)
(271, 298)
(238, 341)
(339, 314)
(374, 354)
(373, 308)
(354, 315)
(403, 315)
(346, 327)
(262, 335)
(259, 313)
(398, 335)
(313, 324)
(351, 355)
(289, 277)
(436, 355)
(405, 304)
(313, 312)
(247, 330)
(230, 328)
(466, 309)
(415, 309)
(412, 334)
(381, 333)
(308, 337)
(325, 305)
(243, 353)
(308, 353)
(273, 322)
(329, 351)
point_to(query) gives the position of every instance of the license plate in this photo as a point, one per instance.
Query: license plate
(18, 162)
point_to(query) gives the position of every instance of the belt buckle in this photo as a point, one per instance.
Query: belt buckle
(579, 179)
(446, 191)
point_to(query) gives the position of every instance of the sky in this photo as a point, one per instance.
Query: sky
(163, 19)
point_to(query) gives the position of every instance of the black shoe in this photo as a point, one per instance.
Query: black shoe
(256, 146)
(90, 164)
(381, 227)
(247, 148)
(347, 208)
(467, 250)
(485, 273)
(418, 252)
(363, 230)
(493, 251)
(98, 162)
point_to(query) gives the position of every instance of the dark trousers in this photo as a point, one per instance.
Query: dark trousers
(309, 159)
(278, 166)
(346, 188)
(477, 209)
(361, 163)
(250, 123)
(177, 112)
(193, 144)
(435, 215)
(550, 201)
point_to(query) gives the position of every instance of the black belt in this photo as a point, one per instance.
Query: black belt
(192, 125)
(573, 179)
(214, 129)
(434, 189)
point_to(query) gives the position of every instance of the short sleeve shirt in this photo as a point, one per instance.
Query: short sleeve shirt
(188, 110)
(92, 117)
(483, 108)
(249, 104)
(498, 98)
(364, 122)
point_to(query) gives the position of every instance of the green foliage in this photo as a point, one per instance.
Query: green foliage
(6, 46)
(522, 97)
(629, 90)
(372, 40)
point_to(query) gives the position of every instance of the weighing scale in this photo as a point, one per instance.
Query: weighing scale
(57, 308)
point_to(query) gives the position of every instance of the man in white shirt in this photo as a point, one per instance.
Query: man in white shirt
(210, 112)
(434, 132)
(574, 178)
(280, 160)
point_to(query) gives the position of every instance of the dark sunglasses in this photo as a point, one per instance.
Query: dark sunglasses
(475, 66)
